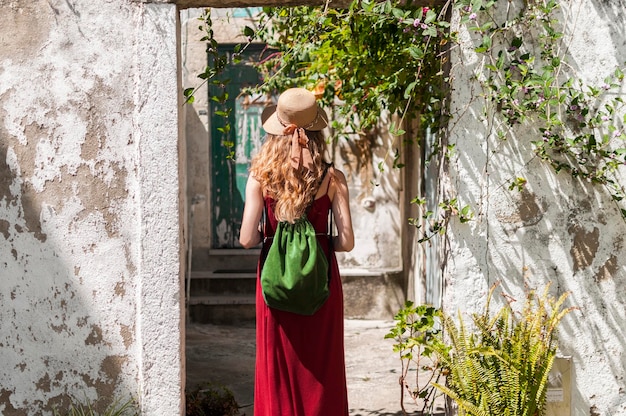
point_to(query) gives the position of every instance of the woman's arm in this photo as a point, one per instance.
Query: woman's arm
(250, 235)
(344, 240)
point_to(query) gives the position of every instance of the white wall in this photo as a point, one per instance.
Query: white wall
(557, 230)
(90, 299)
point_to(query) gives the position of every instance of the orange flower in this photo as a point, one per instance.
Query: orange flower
(318, 91)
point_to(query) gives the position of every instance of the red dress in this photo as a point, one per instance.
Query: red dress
(300, 366)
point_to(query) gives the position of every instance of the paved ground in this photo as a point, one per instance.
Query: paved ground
(224, 355)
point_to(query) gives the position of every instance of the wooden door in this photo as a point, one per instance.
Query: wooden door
(229, 174)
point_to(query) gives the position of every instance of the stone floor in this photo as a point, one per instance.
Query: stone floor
(224, 355)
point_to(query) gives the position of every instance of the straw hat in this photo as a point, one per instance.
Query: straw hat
(296, 106)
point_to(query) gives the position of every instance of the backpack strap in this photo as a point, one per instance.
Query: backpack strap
(330, 212)
(264, 221)
(264, 217)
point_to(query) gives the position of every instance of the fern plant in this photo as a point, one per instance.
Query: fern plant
(501, 366)
(90, 408)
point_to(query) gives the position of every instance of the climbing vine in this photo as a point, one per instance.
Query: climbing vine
(528, 81)
(392, 56)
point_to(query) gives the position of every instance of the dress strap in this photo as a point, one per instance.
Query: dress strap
(329, 179)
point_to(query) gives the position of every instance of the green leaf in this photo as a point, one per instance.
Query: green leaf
(416, 52)
(398, 13)
(409, 89)
(500, 61)
(485, 45)
(430, 31)
(248, 31)
(431, 16)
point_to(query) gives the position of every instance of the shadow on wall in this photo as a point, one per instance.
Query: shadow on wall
(55, 346)
(613, 15)
(557, 230)
(197, 143)
(569, 234)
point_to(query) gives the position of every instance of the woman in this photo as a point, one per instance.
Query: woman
(300, 368)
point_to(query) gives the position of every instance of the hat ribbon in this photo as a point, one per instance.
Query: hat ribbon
(300, 152)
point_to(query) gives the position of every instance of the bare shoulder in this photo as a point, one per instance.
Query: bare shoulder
(253, 186)
(338, 182)
(253, 181)
(336, 175)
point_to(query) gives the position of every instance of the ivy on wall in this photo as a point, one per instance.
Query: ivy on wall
(528, 81)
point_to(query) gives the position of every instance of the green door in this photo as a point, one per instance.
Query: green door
(229, 175)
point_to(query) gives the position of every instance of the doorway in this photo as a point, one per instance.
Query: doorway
(232, 148)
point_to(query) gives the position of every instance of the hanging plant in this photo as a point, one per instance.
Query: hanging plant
(391, 56)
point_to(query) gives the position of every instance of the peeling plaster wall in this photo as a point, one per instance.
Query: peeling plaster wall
(557, 230)
(89, 233)
(375, 199)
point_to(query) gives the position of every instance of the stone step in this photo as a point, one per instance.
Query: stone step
(222, 299)
(223, 274)
(222, 309)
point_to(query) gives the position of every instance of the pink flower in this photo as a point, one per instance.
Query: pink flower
(472, 16)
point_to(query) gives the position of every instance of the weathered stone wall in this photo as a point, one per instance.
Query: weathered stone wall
(89, 216)
(558, 229)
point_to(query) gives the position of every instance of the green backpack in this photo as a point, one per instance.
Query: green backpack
(295, 273)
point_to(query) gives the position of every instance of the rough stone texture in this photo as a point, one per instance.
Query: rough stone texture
(89, 265)
(157, 121)
(557, 230)
(374, 201)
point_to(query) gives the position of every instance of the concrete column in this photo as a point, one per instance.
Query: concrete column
(160, 303)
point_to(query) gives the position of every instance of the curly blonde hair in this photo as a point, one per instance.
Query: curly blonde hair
(291, 189)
